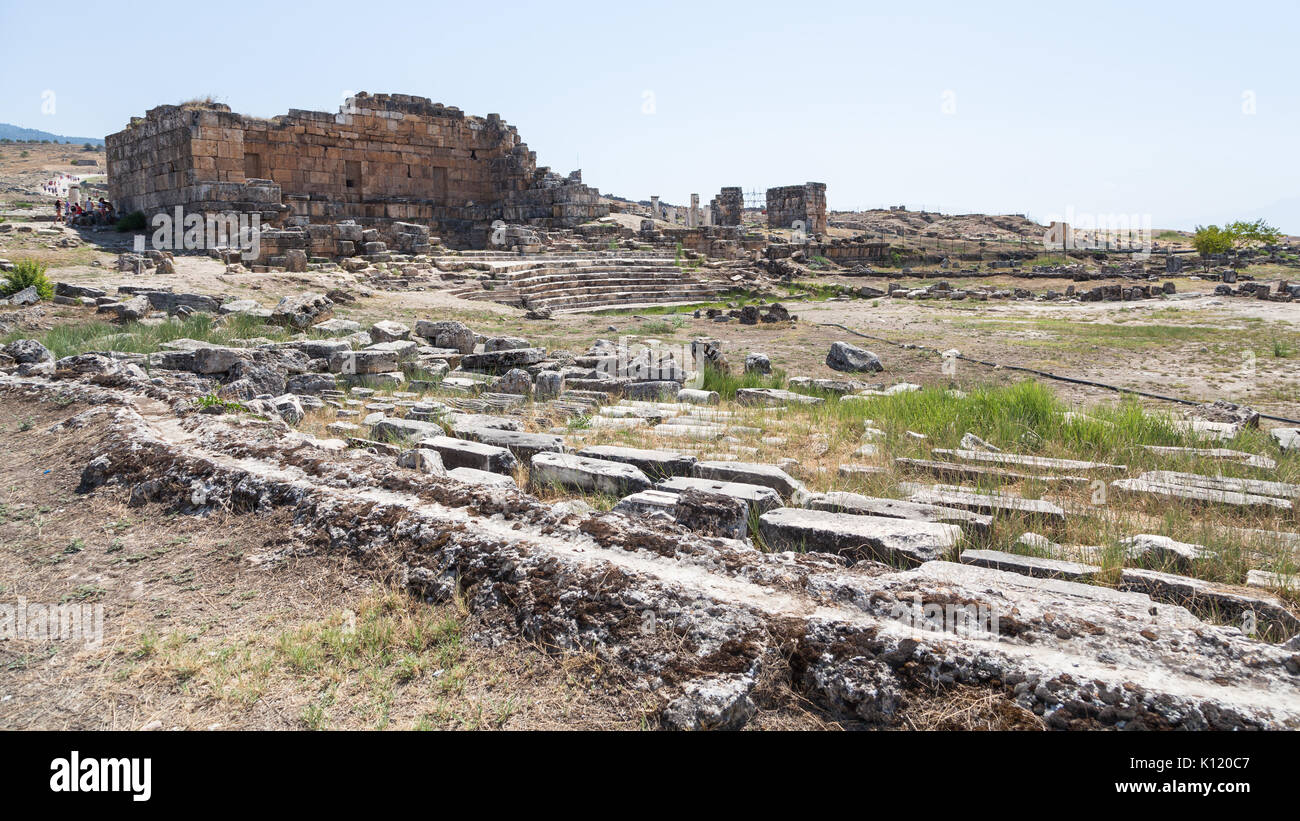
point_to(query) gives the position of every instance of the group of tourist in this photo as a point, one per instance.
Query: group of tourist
(92, 212)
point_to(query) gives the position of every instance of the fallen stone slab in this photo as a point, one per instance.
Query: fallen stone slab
(679, 431)
(1286, 438)
(758, 497)
(980, 473)
(1023, 460)
(483, 420)
(751, 473)
(698, 397)
(301, 311)
(522, 444)
(394, 429)
(461, 453)
(656, 464)
(1035, 566)
(423, 460)
(1258, 487)
(712, 514)
(1163, 550)
(502, 361)
(565, 470)
(646, 503)
(363, 362)
(993, 504)
(1243, 606)
(1272, 581)
(1222, 454)
(836, 386)
(883, 539)
(1199, 494)
(479, 477)
(772, 397)
(843, 502)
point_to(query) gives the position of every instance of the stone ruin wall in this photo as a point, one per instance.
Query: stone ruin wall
(728, 206)
(382, 159)
(805, 203)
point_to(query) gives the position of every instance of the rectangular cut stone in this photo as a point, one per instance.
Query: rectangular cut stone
(750, 473)
(323, 348)
(1030, 565)
(1211, 599)
(842, 502)
(501, 361)
(680, 431)
(523, 445)
(1022, 460)
(1272, 581)
(647, 502)
(893, 541)
(989, 503)
(362, 362)
(656, 464)
(1030, 594)
(584, 474)
(392, 429)
(1221, 454)
(1258, 487)
(774, 396)
(1199, 494)
(479, 477)
(979, 473)
(458, 453)
(758, 497)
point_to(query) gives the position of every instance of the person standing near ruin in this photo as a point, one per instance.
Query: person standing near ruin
(58, 210)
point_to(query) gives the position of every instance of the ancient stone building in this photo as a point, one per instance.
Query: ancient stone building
(728, 206)
(804, 203)
(382, 159)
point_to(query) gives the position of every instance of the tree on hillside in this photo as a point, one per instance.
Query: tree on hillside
(1211, 240)
(1252, 234)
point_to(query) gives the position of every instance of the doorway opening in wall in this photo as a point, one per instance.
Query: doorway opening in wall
(253, 166)
(352, 173)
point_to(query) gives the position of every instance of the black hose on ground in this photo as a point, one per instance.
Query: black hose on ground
(1045, 374)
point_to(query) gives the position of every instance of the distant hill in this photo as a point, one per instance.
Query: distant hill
(14, 132)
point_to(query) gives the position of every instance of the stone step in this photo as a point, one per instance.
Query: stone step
(458, 453)
(842, 502)
(992, 504)
(1035, 566)
(892, 541)
(1024, 460)
(1191, 493)
(980, 473)
(585, 474)
(1243, 606)
(654, 463)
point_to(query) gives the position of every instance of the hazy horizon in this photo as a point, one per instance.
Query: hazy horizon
(1170, 110)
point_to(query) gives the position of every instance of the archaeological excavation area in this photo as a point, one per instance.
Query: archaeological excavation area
(468, 444)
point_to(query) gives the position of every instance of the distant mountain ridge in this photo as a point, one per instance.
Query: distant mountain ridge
(15, 132)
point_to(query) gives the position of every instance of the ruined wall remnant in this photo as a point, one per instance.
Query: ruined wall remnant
(382, 158)
(728, 206)
(803, 203)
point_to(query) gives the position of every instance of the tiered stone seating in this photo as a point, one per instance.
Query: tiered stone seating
(584, 282)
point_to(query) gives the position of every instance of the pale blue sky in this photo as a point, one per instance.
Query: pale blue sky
(1102, 107)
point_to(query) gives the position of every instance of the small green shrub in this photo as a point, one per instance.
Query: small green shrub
(134, 221)
(27, 273)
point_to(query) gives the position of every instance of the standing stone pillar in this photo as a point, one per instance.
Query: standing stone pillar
(654, 207)
(693, 217)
